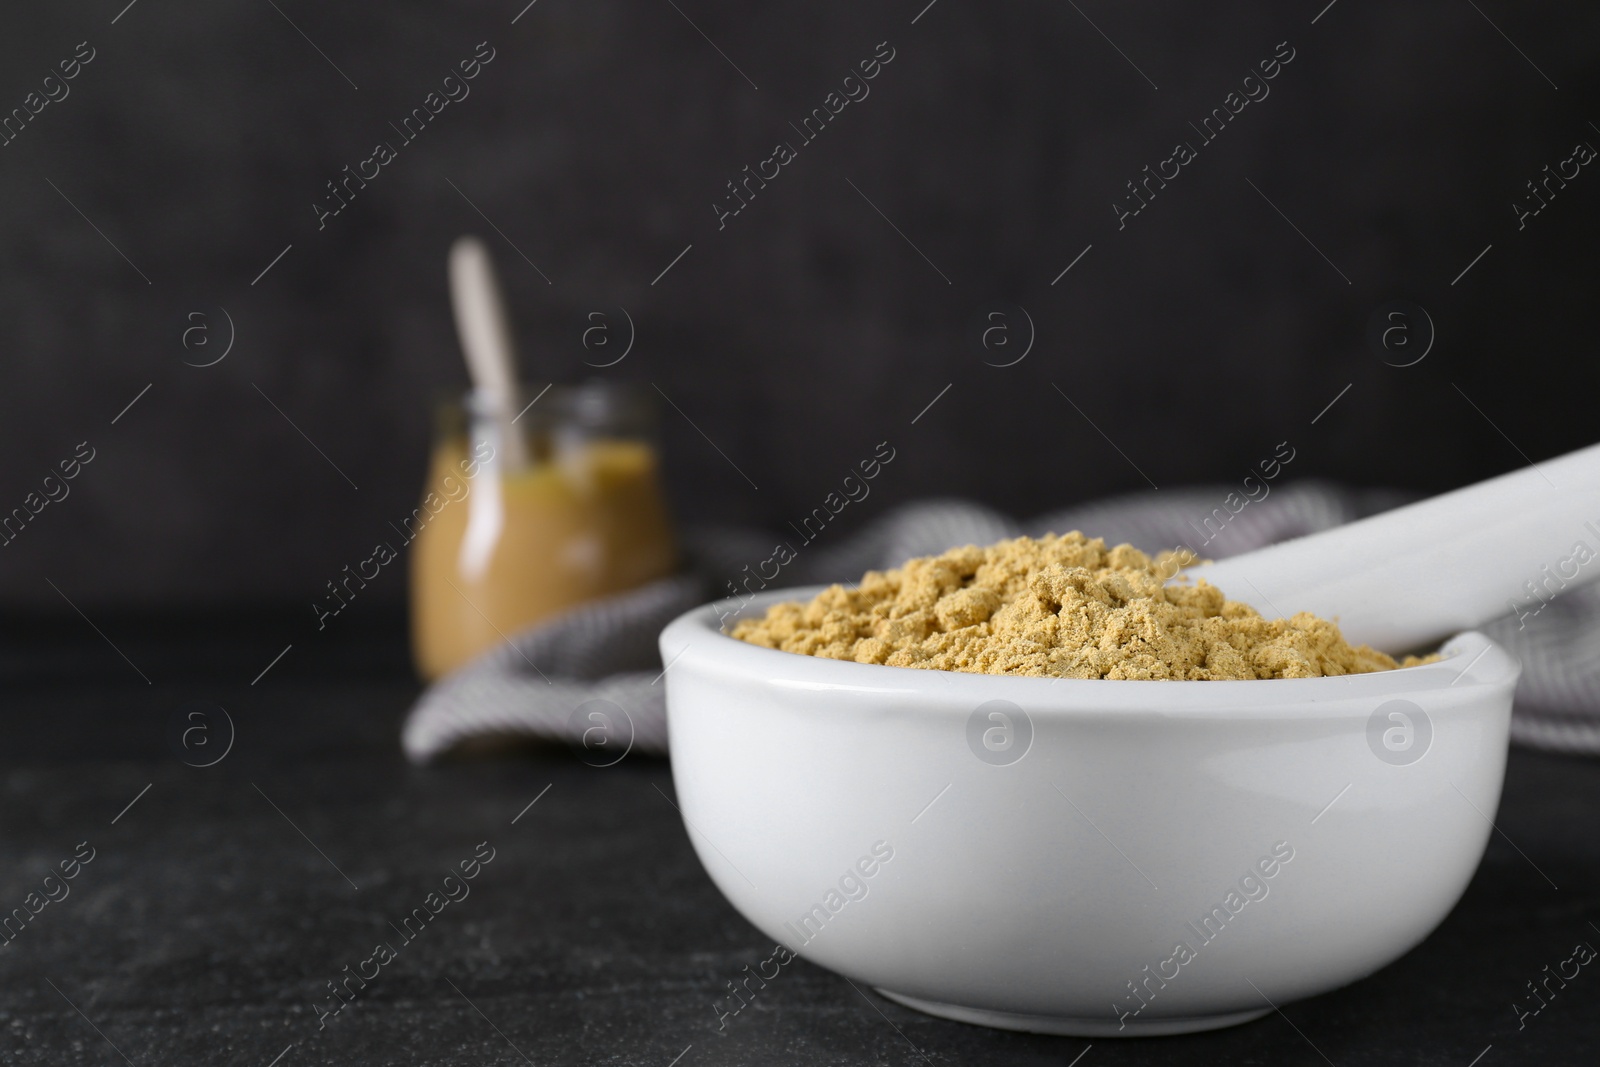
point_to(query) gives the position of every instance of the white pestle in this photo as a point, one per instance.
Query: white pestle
(485, 332)
(1407, 578)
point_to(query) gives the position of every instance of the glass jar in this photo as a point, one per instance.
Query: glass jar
(527, 515)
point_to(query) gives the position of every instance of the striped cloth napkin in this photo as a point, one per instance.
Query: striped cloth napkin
(593, 677)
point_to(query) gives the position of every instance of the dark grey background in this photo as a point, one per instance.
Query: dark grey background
(808, 330)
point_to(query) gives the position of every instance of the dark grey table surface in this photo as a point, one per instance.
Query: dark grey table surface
(221, 903)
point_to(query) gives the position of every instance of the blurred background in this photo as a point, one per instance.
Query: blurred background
(161, 208)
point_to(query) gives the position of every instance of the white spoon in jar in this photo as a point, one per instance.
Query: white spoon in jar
(485, 332)
(484, 329)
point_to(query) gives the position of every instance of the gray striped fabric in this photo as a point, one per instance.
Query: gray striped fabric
(592, 678)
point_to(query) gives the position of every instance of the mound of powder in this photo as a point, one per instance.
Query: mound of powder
(1058, 606)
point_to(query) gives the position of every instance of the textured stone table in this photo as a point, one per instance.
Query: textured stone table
(221, 903)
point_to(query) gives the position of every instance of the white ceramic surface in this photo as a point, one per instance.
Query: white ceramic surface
(1041, 861)
(1409, 577)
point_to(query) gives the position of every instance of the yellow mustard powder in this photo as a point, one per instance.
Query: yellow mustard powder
(1057, 606)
